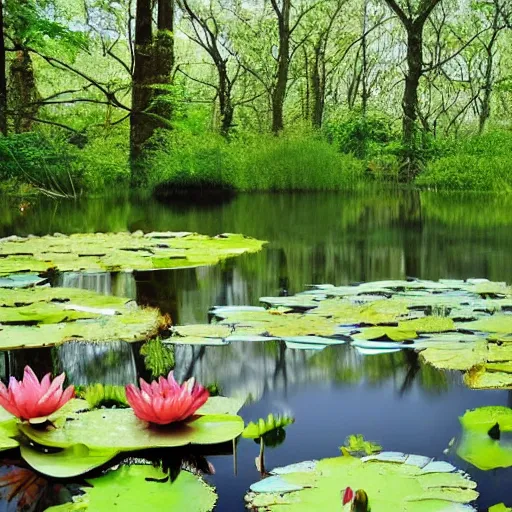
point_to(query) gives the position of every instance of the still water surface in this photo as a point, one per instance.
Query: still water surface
(313, 238)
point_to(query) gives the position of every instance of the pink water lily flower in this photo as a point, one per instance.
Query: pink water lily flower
(165, 401)
(29, 398)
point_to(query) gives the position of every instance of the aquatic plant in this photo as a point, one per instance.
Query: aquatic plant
(165, 401)
(32, 400)
(269, 432)
(355, 501)
(392, 481)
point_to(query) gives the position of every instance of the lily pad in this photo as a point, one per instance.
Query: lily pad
(70, 462)
(142, 487)
(400, 482)
(46, 316)
(121, 430)
(120, 251)
(22, 281)
(386, 333)
(477, 446)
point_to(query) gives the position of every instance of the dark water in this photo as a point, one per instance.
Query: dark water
(316, 238)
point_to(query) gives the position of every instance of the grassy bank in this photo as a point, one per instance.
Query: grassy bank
(182, 161)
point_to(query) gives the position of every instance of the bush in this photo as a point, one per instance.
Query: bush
(63, 166)
(265, 162)
(475, 163)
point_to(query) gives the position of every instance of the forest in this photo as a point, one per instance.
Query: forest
(174, 95)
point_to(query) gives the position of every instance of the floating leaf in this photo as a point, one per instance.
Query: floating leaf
(428, 324)
(391, 482)
(221, 405)
(46, 316)
(143, 487)
(120, 251)
(70, 462)
(478, 446)
(386, 333)
(120, 429)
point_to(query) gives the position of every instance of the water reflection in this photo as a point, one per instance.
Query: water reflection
(88, 363)
(253, 370)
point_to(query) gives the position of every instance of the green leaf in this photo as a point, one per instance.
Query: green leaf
(157, 357)
(476, 445)
(262, 427)
(70, 462)
(386, 333)
(98, 395)
(391, 480)
(358, 444)
(128, 488)
(120, 429)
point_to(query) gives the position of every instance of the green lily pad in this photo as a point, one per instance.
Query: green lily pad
(499, 323)
(500, 507)
(8, 430)
(386, 333)
(45, 316)
(392, 481)
(120, 251)
(120, 429)
(428, 324)
(22, 281)
(477, 447)
(70, 462)
(221, 405)
(142, 487)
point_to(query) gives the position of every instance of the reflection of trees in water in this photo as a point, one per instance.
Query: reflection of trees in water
(120, 284)
(88, 363)
(253, 369)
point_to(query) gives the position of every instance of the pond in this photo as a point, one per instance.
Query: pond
(318, 238)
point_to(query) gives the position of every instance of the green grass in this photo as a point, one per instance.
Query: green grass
(474, 163)
(265, 162)
(61, 165)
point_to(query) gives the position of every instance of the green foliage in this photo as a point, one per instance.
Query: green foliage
(99, 395)
(290, 162)
(263, 427)
(356, 443)
(352, 133)
(475, 163)
(64, 165)
(158, 358)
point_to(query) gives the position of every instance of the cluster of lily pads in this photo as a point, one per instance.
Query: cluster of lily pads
(455, 324)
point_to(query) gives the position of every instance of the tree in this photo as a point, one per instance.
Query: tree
(413, 21)
(153, 63)
(209, 35)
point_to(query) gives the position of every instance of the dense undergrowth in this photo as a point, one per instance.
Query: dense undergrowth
(345, 153)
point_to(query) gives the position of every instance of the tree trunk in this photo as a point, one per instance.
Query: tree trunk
(283, 64)
(318, 88)
(227, 110)
(485, 111)
(410, 168)
(164, 55)
(141, 125)
(23, 95)
(3, 77)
